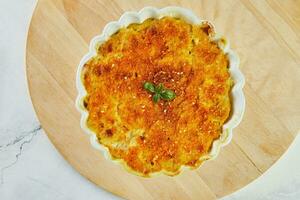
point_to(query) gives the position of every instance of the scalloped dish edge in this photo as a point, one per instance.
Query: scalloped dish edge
(237, 96)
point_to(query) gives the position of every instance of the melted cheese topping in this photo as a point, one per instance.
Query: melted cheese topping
(151, 137)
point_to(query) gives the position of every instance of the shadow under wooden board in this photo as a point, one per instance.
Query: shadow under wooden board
(265, 34)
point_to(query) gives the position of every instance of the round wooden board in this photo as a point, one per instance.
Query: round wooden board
(263, 33)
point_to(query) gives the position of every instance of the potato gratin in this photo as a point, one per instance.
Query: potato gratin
(164, 135)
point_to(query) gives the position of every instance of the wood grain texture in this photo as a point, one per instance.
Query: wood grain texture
(265, 34)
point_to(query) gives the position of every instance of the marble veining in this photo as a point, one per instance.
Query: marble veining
(24, 139)
(20, 138)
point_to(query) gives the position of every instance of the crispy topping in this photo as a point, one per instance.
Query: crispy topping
(165, 135)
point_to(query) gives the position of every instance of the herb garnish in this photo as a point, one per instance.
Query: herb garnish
(159, 92)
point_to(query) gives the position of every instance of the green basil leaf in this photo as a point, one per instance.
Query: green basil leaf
(149, 86)
(167, 94)
(159, 88)
(159, 92)
(156, 97)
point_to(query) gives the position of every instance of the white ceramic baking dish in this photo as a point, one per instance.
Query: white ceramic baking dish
(237, 96)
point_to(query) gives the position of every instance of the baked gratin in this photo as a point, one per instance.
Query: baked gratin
(158, 94)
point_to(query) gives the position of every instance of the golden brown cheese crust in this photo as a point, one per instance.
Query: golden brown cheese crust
(151, 137)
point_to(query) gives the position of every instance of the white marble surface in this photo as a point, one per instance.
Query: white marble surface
(32, 169)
